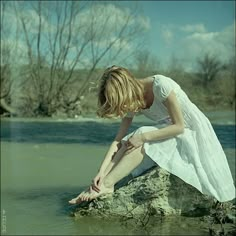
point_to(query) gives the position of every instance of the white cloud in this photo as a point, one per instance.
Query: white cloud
(219, 43)
(167, 35)
(110, 19)
(144, 22)
(31, 19)
(195, 44)
(198, 28)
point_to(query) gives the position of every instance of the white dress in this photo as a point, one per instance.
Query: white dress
(196, 156)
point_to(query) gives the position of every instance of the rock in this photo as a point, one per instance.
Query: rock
(154, 193)
(231, 218)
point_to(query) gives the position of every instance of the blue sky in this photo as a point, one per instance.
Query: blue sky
(173, 23)
(184, 30)
(214, 14)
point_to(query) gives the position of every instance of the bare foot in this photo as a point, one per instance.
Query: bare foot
(90, 194)
(78, 199)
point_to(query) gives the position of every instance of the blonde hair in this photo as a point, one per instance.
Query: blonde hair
(119, 93)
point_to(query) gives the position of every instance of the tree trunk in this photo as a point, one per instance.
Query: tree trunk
(5, 108)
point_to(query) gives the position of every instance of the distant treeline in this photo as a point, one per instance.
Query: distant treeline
(212, 88)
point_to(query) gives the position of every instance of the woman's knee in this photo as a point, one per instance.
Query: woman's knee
(141, 129)
(144, 129)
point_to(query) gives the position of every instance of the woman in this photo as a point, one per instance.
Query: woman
(185, 145)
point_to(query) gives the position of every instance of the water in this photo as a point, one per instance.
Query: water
(46, 163)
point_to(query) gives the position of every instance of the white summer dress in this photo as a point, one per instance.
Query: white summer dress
(196, 156)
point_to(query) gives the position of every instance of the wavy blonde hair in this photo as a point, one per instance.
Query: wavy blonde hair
(119, 93)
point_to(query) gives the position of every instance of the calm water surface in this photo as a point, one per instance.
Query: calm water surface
(46, 163)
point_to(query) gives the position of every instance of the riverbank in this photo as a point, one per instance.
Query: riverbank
(216, 117)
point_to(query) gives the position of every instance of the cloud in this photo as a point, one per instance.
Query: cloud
(167, 35)
(110, 18)
(31, 19)
(191, 42)
(170, 32)
(144, 22)
(198, 28)
(217, 43)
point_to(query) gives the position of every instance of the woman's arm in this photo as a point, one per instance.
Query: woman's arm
(115, 145)
(177, 126)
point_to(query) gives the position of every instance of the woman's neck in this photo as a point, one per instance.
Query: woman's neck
(148, 91)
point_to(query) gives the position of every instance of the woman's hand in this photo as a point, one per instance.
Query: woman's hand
(134, 142)
(97, 181)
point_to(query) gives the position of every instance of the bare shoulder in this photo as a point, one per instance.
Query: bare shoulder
(148, 80)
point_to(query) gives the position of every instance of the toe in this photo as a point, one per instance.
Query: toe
(76, 199)
(73, 201)
(86, 197)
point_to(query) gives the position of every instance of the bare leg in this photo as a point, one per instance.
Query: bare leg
(126, 164)
(115, 160)
(84, 195)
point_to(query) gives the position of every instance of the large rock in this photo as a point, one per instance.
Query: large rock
(156, 192)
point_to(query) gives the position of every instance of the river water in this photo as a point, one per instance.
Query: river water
(44, 163)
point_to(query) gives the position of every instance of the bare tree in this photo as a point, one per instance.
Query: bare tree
(232, 90)
(6, 82)
(209, 67)
(5, 76)
(68, 36)
(175, 66)
(146, 63)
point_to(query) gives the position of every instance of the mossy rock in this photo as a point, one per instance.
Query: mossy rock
(154, 193)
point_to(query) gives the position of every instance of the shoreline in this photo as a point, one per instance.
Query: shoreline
(216, 117)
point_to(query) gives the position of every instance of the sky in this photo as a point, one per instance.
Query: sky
(179, 30)
(188, 29)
